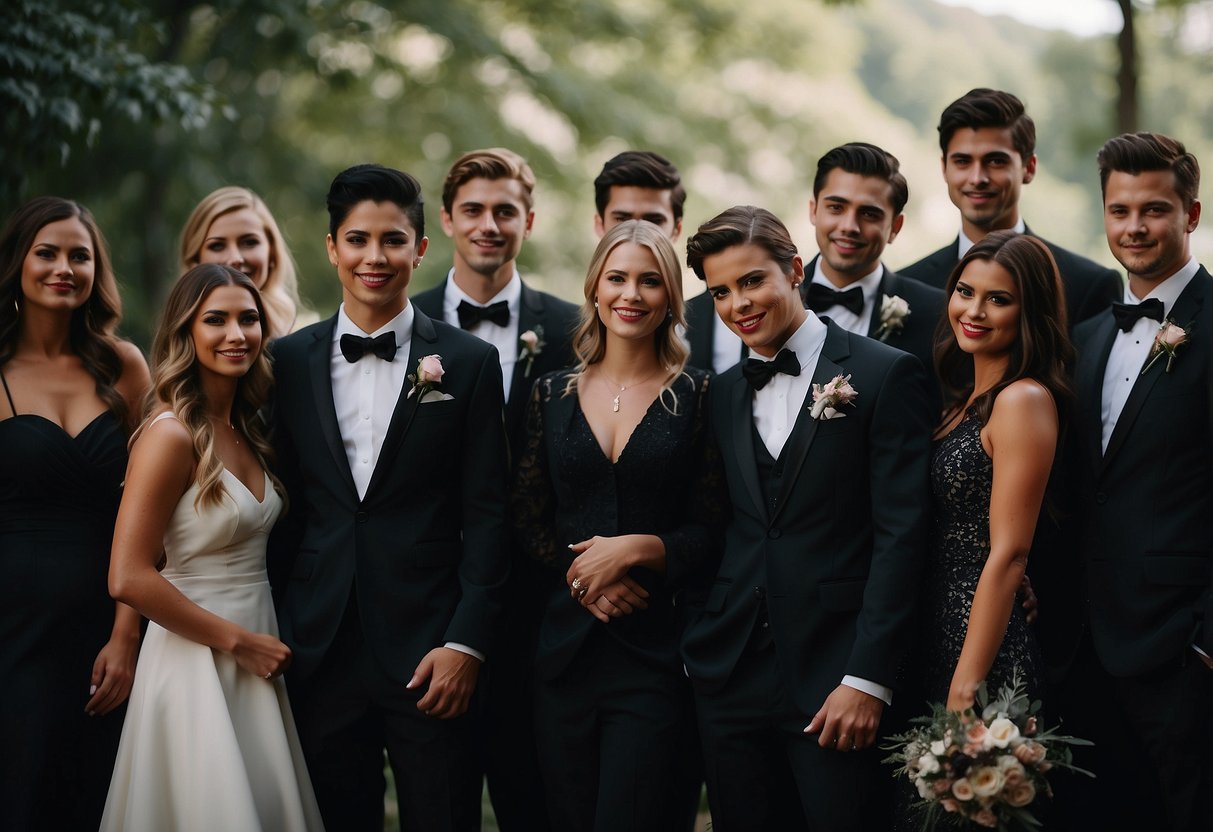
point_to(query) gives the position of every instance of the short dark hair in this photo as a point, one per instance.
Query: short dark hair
(378, 184)
(640, 169)
(1136, 153)
(865, 159)
(738, 226)
(984, 107)
(491, 163)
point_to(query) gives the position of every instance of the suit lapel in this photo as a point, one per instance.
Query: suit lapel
(742, 411)
(319, 358)
(888, 286)
(1089, 385)
(530, 316)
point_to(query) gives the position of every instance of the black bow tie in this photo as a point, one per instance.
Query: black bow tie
(353, 347)
(822, 297)
(470, 314)
(1127, 314)
(758, 373)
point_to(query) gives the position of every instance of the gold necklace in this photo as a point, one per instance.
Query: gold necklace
(623, 387)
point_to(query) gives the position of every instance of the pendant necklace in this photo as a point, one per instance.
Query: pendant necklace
(623, 387)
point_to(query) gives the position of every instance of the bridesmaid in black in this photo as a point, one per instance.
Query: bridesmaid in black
(620, 491)
(71, 390)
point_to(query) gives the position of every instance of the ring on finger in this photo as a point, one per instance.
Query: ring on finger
(577, 585)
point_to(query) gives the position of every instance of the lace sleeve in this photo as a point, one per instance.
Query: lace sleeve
(532, 501)
(697, 542)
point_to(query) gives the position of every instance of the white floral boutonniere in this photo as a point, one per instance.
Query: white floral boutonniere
(893, 313)
(428, 376)
(530, 344)
(828, 398)
(1167, 341)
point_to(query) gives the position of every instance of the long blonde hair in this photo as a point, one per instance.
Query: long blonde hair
(589, 339)
(175, 379)
(280, 294)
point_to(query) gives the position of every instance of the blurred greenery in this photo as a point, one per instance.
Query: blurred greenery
(138, 109)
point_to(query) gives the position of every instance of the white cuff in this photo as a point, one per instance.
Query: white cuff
(463, 648)
(882, 693)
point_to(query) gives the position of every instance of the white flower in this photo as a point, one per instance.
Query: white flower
(962, 789)
(987, 781)
(924, 788)
(893, 313)
(1002, 732)
(927, 764)
(939, 748)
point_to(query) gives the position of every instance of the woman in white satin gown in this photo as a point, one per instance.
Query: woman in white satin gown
(209, 742)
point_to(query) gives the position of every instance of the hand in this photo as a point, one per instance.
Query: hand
(961, 696)
(600, 562)
(452, 678)
(848, 720)
(620, 598)
(1029, 598)
(262, 655)
(113, 675)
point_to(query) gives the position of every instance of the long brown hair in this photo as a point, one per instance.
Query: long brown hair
(1042, 351)
(93, 324)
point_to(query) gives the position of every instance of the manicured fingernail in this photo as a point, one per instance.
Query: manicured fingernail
(92, 689)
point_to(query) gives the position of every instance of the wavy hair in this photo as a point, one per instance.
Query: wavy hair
(175, 380)
(1042, 351)
(280, 294)
(93, 324)
(589, 339)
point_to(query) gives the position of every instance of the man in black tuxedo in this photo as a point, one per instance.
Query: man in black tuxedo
(388, 433)
(858, 197)
(988, 143)
(794, 647)
(487, 212)
(1140, 675)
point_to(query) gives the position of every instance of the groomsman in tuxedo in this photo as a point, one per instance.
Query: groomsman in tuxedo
(988, 143)
(641, 185)
(1140, 676)
(487, 212)
(794, 647)
(388, 434)
(858, 196)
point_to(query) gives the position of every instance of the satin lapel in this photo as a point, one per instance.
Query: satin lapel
(887, 287)
(1090, 390)
(530, 315)
(319, 355)
(406, 406)
(1187, 307)
(836, 349)
(742, 410)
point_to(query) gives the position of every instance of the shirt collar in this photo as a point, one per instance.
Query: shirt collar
(401, 325)
(511, 293)
(1169, 290)
(806, 341)
(965, 243)
(869, 283)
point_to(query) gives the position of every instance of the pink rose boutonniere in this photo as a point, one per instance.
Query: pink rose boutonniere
(530, 344)
(830, 397)
(1167, 341)
(428, 376)
(893, 313)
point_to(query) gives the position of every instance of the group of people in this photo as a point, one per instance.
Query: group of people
(597, 555)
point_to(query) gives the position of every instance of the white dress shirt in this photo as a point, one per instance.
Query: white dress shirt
(1131, 349)
(869, 284)
(504, 338)
(776, 408)
(965, 243)
(726, 346)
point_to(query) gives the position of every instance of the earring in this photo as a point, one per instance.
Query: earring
(417, 262)
(595, 303)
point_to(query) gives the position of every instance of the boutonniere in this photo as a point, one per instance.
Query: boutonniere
(893, 313)
(428, 376)
(828, 398)
(1167, 341)
(530, 344)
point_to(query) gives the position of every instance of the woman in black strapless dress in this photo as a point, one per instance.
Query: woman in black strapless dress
(70, 388)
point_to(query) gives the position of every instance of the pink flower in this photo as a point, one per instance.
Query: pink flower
(962, 789)
(429, 370)
(1030, 753)
(1021, 794)
(1171, 335)
(985, 818)
(1030, 729)
(941, 786)
(829, 397)
(987, 781)
(949, 805)
(978, 735)
(530, 341)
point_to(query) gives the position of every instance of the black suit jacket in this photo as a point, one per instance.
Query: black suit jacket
(425, 550)
(546, 314)
(1148, 544)
(839, 559)
(1090, 288)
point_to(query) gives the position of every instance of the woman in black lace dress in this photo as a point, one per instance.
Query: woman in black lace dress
(1003, 373)
(620, 493)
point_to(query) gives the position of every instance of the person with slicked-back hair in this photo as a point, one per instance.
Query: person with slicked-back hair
(71, 393)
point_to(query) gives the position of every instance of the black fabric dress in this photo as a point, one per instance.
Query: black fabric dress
(613, 708)
(58, 499)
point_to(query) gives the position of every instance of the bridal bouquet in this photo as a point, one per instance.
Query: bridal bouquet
(985, 765)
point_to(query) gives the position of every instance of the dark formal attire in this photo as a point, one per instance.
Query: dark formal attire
(1090, 288)
(393, 547)
(1145, 459)
(714, 347)
(506, 730)
(816, 586)
(59, 496)
(612, 703)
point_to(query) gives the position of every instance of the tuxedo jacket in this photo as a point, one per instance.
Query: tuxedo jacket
(701, 327)
(1148, 541)
(839, 558)
(424, 552)
(1090, 288)
(917, 333)
(537, 311)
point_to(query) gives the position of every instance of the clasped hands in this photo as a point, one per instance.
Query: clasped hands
(598, 579)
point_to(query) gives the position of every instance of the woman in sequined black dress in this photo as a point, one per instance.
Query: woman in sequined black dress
(1003, 373)
(617, 492)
